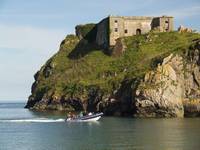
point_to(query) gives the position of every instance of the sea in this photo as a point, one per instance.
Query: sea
(22, 129)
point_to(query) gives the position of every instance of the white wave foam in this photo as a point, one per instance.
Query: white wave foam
(45, 120)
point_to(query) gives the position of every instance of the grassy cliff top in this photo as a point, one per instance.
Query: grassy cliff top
(67, 76)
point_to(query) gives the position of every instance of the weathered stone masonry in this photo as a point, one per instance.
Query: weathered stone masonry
(114, 27)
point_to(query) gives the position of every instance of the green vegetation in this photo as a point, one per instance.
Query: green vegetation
(64, 76)
(88, 31)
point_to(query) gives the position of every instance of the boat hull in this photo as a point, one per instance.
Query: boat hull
(88, 118)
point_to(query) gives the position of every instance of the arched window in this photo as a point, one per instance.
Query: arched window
(138, 32)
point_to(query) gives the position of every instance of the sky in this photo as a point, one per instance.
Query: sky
(31, 31)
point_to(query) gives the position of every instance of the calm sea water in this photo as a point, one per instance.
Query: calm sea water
(21, 129)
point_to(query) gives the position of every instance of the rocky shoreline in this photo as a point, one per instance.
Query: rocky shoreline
(171, 89)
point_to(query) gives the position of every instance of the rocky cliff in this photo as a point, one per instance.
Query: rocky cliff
(157, 75)
(173, 88)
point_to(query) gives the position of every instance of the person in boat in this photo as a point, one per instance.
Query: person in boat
(81, 114)
(69, 115)
(74, 116)
(84, 113)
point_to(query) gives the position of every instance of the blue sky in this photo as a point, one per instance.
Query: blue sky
(31, 31)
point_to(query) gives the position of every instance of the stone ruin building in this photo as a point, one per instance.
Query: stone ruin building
(106, 32)
(114, 27)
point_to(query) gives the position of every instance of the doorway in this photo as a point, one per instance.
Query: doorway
(138, 32)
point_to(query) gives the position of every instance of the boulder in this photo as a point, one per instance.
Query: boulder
(183, 29)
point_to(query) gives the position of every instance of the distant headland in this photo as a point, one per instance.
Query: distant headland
(123, 66)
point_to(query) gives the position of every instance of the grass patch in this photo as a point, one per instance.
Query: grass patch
(73, 77)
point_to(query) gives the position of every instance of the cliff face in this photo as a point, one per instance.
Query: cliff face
(173, 88)
(162, 91)
(156, 76)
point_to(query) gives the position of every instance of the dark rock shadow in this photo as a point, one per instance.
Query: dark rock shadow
(87, 43)
(83, 48)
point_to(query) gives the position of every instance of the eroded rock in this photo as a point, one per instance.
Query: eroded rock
(161, 93)
(169, 91)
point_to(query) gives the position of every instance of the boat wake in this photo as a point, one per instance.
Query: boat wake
(44, 120)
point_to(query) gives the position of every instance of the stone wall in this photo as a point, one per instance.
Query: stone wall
(166, 24)
(128, 26)
(87, 32)
(103, 33)
(114, 27)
